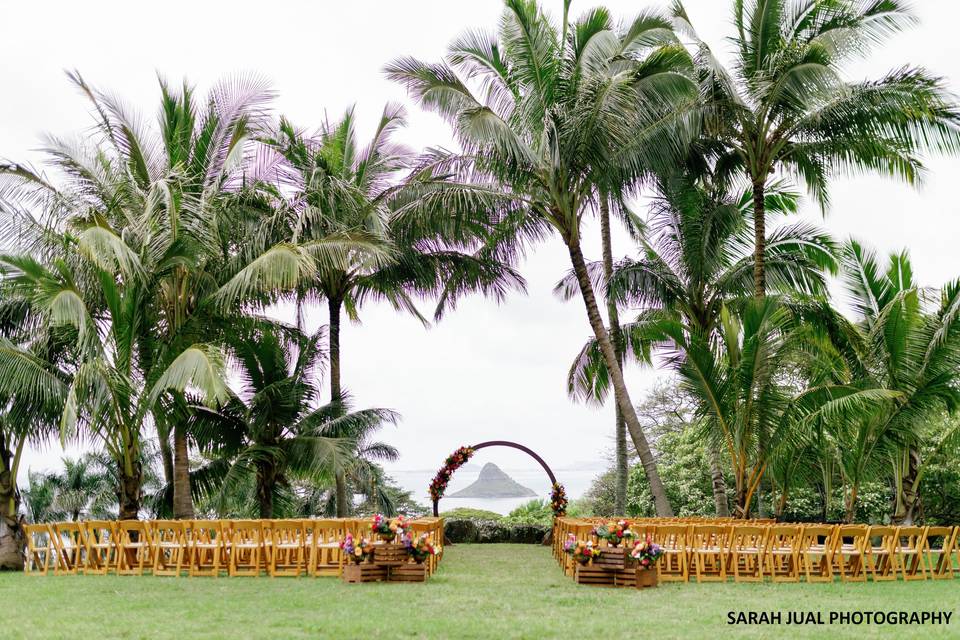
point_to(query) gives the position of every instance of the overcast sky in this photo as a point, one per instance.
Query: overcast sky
(486, 371)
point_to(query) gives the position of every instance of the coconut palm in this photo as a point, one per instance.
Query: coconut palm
(148, 251)
(787, 109)
(749, 382)
(541, 112)
(33, 386)
(83, 488)
(906, 340)
(335, 186)
(696, 258)
(274, 430)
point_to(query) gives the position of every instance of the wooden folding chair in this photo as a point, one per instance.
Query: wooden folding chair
(673, 565)
(40, 550)
(101, 547)
(747, 548)
(206, 546)
(940, 558)
(815, 551)
(848, 552)
(170, 548)
(68, 545)
(709, 547)
(134, 551)
(908, 549)
(246, 548)
(325, 556)
(286, 540)
(782, 553)
(878, 553)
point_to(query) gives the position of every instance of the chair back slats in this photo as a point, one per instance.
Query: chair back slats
(170, 547)
(101, 546)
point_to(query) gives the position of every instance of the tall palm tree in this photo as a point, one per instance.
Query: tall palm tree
(275, 430)
(696, 258)
(336, 187)
(83, 488)
(787, 109)
(557, 108)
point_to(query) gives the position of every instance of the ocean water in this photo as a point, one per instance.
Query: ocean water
(575, 481)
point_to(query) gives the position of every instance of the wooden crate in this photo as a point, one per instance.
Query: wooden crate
(594, 575)
(611, 558)
(410, 572)
(390, 555)
(625, 577)
(366, 572)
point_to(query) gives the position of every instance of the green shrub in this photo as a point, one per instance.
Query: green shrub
(466, 513)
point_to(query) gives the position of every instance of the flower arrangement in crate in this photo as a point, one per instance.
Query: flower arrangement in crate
(582, 552)
(356, 550)
(646, 552)
(386, 528)
(614, 532)
(421, 547)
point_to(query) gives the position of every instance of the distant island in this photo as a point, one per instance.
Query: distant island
(493, 483)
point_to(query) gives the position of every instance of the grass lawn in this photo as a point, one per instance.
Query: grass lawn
(481, 591)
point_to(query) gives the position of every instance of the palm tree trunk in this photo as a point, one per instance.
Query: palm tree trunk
(130, 496)
(266, 479)
(182, 499)
(719, 487)
(760, 291)
(343, 499)
(759, 237)
(166, 456)
(12, 541)
(661, 501)
(905, 506)
(334, 304)
(622, 471)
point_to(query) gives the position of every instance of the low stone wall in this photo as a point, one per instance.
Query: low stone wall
(460, 530)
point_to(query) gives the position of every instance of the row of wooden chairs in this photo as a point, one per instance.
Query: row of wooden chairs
(787, 553)
(582, 527)
(200, 547)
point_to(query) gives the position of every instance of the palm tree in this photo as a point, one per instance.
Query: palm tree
(907, 341)
(147, 254)
(749, 378)
(559, 108)
(33, 387)
(274, 430)
(84, 488)
(338, 188)
(696, 259)
(787, 108)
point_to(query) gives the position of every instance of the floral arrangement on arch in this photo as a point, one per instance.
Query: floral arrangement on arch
(386, 528)
(614, 532)
(582, 552)
(421, 547)
(646, 553)
(558, 500)
(357, 550)
(438, 486)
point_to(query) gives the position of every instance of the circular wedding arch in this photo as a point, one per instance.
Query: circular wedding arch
(505, 443)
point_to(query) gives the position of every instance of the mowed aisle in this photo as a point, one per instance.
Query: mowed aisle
(481, 591)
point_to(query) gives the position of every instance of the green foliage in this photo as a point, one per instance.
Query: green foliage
(467, 513)
(534, 512)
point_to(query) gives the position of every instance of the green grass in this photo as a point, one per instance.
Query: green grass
(481, 591)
